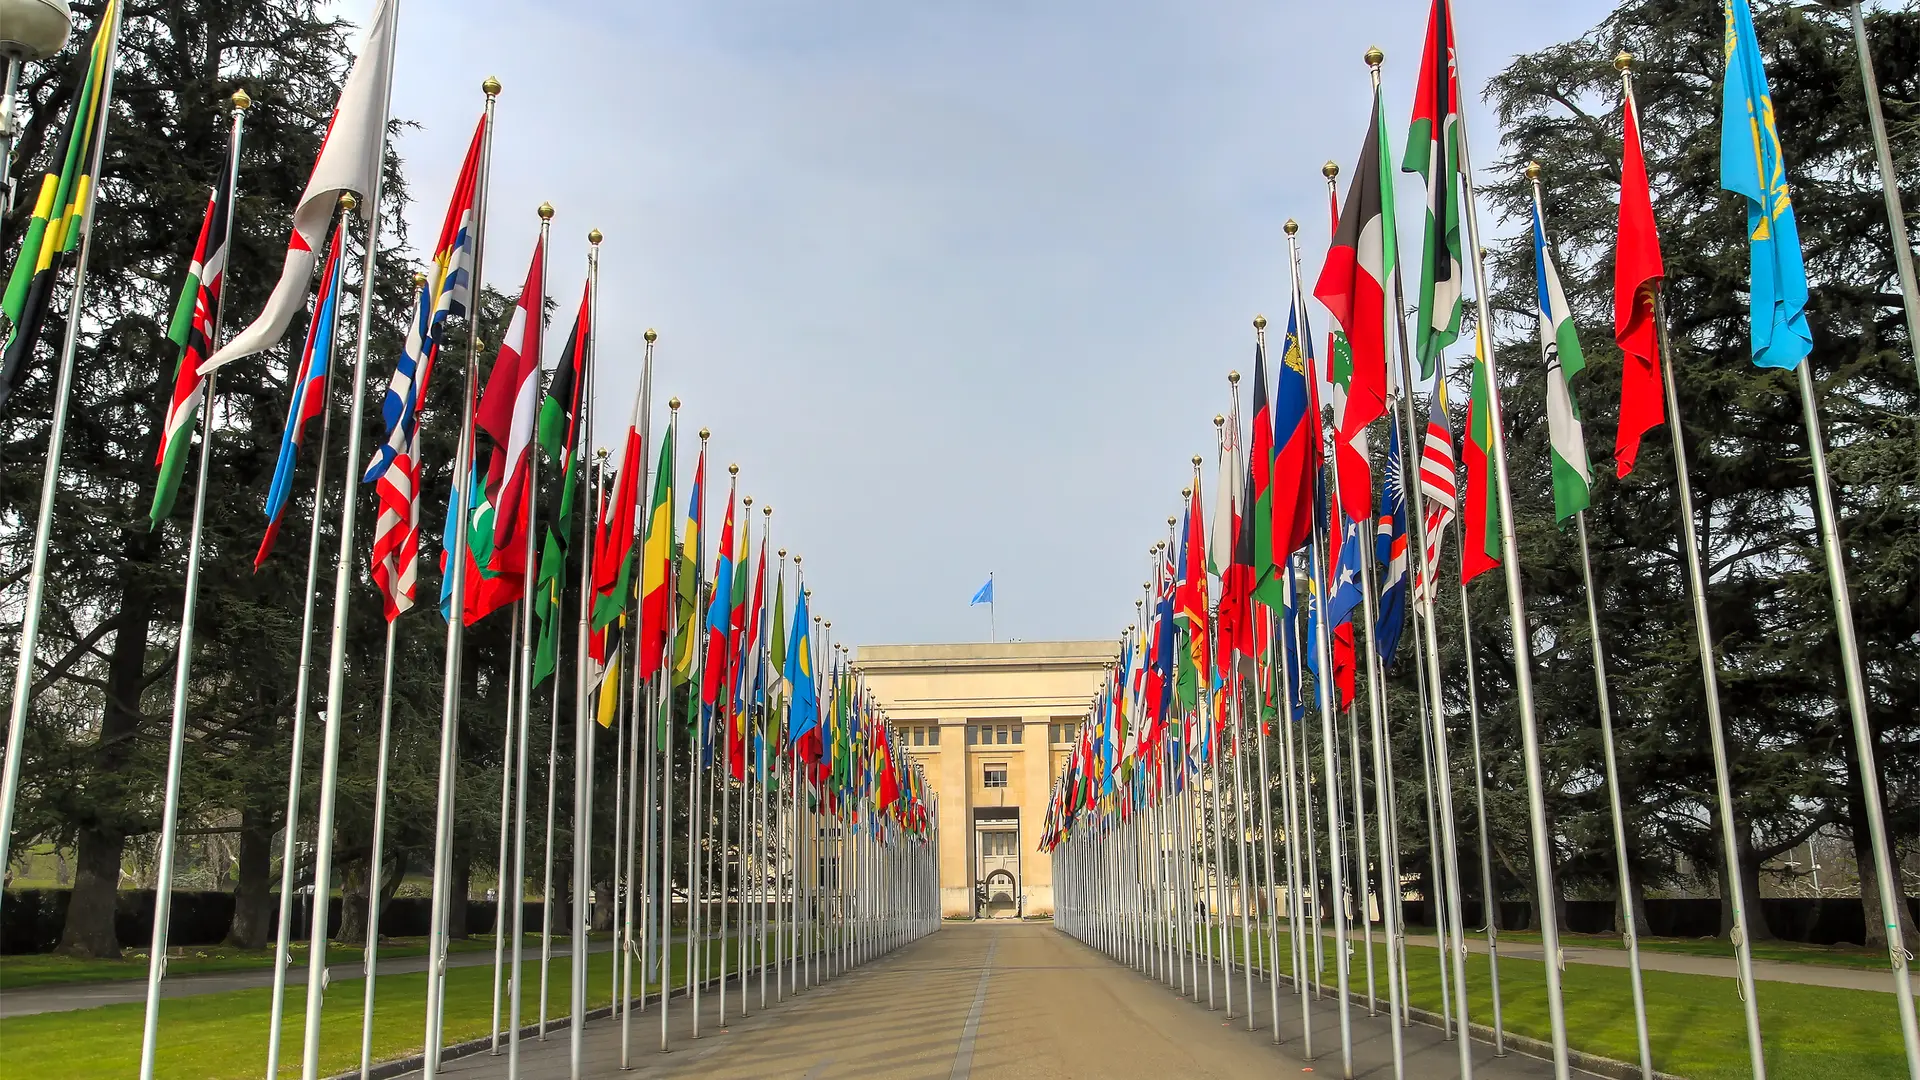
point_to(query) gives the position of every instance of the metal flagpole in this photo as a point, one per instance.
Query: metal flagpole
(370, 963)
(520, 607)
(335, 714)
(695, 779)
(639, 712)
(1891, 897)
(50, 475)
(1517, 626)
(456, 558)
(1909, 296)
(1433, 704)
(183, 649)
(1329, 759)
(1489, 898)
(289, 843)
(665, 675)
(596, 481)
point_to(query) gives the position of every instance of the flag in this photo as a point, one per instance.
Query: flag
(613, 544)
(1439, 490)
(719, 621)
(656, 590)
(687, 587)
(1433, 152)
(1752, 165)
(192, 333)
(1560, 345)
(309, 394)
(747, 692)
(349, 160)
(803, 715)
(1226, 512)
(1344, 594)
(559, 438)
(1296, 443)
(1353, 287)
(510, 404)
(447, 290)
(1637, 270)
(56, 223)
(1480, 544)
(985, 595)
(1236, 616)
(396, 528)
(1190, 603)
(1390, 550)
(1265, 583)
(777, 651)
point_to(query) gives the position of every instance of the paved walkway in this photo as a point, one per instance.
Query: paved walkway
(1013, 1000)
(1843, 978)
(66, 997)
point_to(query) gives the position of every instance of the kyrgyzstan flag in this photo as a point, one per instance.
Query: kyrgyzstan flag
(1353, 287)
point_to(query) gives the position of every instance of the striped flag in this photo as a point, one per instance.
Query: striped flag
(192, 333)
(1433, 152)
(1480, 544)
(1390, 548)
(1560, 345)
(509, 408)
(55, 226)
(309, 398)
(1438, 488)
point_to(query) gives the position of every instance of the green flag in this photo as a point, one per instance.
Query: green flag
(1560, 345)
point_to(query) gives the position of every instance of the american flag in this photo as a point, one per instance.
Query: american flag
(1440, 498)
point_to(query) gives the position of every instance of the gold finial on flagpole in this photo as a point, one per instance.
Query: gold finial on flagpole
(673, 404)
(1291, 226)
(240, 100)
(1219, 421)
(1374, 56)
(1330, 170)
(1533, 170)
(349, 201)
(490, 86)
(1623, 61)
(594, 237)
(1233, 378)
(419, 279)
(733, 469)
(705, 434)
(651, 335)
(545, 211)
(1259, 322)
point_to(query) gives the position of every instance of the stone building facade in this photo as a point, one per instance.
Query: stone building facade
(991, 726)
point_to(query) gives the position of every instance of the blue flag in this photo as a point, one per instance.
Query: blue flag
(1751, 165)
(1344, 594)
(985, 595)
(803, 713)
(1390, 549)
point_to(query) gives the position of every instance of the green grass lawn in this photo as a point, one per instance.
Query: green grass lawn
(48, 969)
(1785, 952)
(221, 1036)
(1695, 1022)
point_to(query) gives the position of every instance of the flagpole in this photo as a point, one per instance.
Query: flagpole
(1909, 296)
(342, 592)
(506, 810)
(455, 564)
(595, 479)
(1891, 899)
(290, 844)
(183, 649)
(665, 675)
(582, 886)
(1455, 941)
(1542, 843)
(1629, 928)
(50, 475)
(696, 668)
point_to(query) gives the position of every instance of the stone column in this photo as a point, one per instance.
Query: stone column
(956, 822)
(1036, 869)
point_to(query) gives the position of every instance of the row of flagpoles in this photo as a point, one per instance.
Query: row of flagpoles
(834, 838)
(1163, 822)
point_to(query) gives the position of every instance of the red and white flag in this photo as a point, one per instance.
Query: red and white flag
(349, 161)
(510, 407)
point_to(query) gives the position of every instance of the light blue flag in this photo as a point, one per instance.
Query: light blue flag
(1751, 165)
(985, 595)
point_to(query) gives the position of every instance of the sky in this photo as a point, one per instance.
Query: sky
(957, 286)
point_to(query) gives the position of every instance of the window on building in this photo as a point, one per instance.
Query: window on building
(919, 736)
(973, 735)
(933, 735)
(1062, 734)
(1001, 735)
(1018, 730)
(998, 843)
(995, 776)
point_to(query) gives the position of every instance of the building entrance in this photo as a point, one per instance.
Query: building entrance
(998, 872)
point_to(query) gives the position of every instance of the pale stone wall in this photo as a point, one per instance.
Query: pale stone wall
(974, 696)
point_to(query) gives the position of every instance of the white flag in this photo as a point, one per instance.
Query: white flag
(349, 160)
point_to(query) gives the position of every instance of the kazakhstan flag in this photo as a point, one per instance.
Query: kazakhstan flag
(1751, 165)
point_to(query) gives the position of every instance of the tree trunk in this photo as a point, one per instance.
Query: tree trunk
(1637, 890)
(1863, 857)
(1757, 929)
(353, 903)
(96, 889)
(461, 884)
(602, 906)
(253, 903)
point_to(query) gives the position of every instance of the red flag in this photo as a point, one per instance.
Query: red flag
(1637, 270)
(510, 406)
(1352, 286)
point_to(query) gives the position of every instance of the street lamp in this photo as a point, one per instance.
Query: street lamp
(29, 30)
